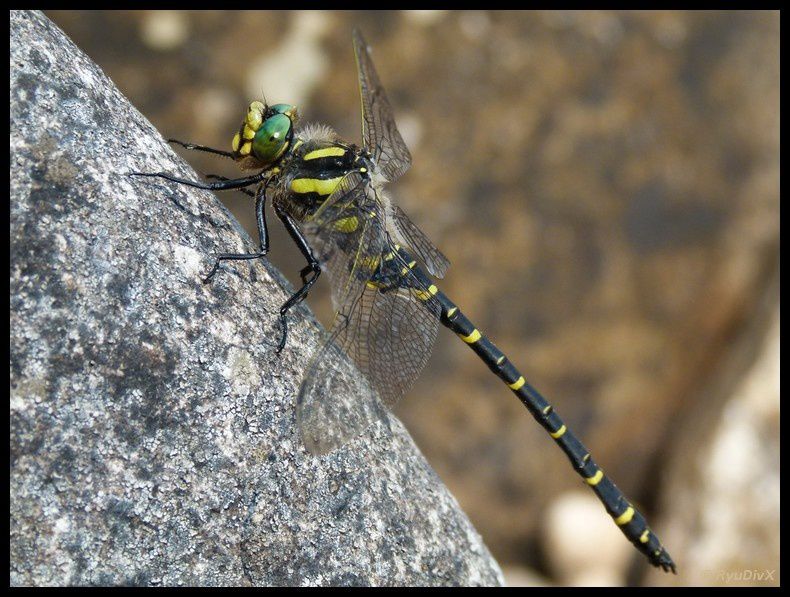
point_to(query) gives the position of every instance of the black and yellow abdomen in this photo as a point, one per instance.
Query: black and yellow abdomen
(406, 274)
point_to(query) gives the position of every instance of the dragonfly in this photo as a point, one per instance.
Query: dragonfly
(329, 194)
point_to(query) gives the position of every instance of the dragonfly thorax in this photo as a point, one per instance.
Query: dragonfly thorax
(315, 165)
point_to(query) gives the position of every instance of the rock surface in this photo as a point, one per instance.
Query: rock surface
(152, 426)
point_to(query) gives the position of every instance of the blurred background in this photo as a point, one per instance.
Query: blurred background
(606, 186)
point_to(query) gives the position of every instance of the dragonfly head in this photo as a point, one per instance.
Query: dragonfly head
(265, 134)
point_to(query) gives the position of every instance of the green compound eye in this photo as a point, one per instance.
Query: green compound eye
(271, 139)
(283, 109)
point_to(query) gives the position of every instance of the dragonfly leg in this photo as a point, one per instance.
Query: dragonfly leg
(194, 146)
(247, 192)
(263, 235)
(219, 185)
(312, 267)
(223, 184)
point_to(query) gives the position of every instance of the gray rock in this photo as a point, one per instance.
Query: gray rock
(152, 425)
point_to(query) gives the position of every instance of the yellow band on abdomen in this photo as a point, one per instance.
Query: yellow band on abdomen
(426, 294)
(595, 479)
(473, 337)
(625, 517)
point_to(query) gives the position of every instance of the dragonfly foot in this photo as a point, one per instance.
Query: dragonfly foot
(284, 325)
(213, 271)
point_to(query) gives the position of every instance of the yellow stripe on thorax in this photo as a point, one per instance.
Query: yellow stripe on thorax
(324, 153)
(315, 185)
(346, 225)
(370, 263)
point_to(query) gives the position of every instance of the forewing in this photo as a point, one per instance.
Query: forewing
(347, 237)
(382, 327)
(419, 242)
(379, 132)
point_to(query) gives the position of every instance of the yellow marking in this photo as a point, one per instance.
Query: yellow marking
(248, 133)
(324, 153)
(246, 148)
(370, 262)
(625, 517)
(547, 410)
(586, 457)
(236, 141)
(363, 170)
(297, 144)
(254, 116)
(405, 270)
(500, 360)
(373, 285)
(346, 225)
(389, 256)
(283, 150)
(473, 337)
(517, 384)
(559, 433)
(452, 311)
(315, 185)
(645, 537)
(425, 295)
(595, 479)
(254, 119)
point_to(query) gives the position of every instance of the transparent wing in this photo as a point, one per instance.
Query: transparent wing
(381, 327)
(335, 402)
(418, 241)
(379, 132)
(347, 236)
